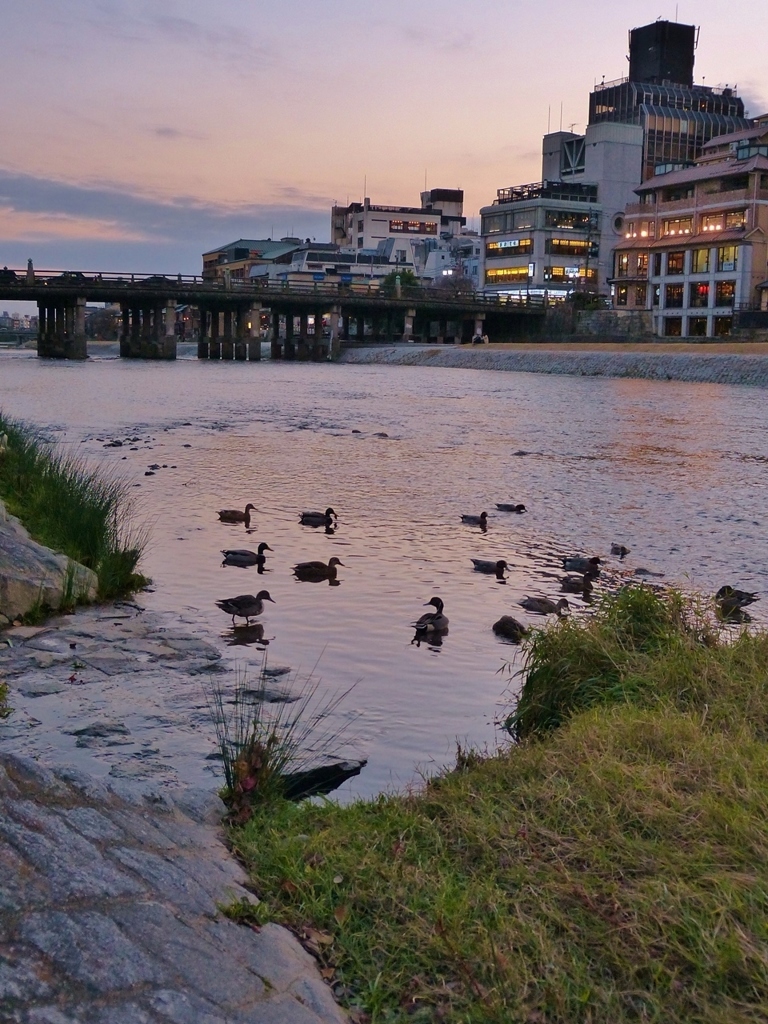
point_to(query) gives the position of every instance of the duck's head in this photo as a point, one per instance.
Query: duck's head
(436, 602)
(248, 508)
(334, 561)
(501, 565)
(594, 561)
(264, 547)
(562, 605)
(483, 516)
(263, 595)
(725, 591)
(329, 512)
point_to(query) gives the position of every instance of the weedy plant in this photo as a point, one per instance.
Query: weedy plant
(87, 514)
(264, 741)
(5, 710)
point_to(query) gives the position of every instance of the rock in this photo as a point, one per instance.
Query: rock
(100, 730)
(32, 575)
(40, 688)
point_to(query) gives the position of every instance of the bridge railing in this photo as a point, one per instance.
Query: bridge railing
(168, 284)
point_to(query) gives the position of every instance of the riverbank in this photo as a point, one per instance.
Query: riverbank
(728, 363)
(609, 868)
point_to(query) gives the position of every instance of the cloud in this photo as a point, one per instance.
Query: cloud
(22, 226)
(163, 131)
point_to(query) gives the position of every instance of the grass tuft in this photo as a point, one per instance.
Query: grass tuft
(68, 507)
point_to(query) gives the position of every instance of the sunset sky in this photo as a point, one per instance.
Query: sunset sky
(135, 134)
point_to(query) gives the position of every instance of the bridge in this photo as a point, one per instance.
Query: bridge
(231, 313)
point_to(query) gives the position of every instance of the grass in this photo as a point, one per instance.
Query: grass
(5, 709)
(85, 514)
(262, 741)
(607, 868)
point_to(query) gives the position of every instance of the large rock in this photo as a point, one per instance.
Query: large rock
(33, 575)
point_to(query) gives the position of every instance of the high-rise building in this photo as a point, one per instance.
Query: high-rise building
(677, 117)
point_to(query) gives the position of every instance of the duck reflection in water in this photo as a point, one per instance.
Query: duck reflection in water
(246, 636)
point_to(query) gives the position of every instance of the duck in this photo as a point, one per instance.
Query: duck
(502, 507)
(242, 557)
(730, 600)
(481, 520)
(318, 518)
(244, 606)
(234, 515)
(432, 622)
(578, 563)
(576, 584)
(620, 550)
(543, 605)
(317, 570)
(510, 629)
(483, 565)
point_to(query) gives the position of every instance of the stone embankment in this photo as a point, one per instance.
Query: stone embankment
(32, 575)
(652, 363)
(109, 912)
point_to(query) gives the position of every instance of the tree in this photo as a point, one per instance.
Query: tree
(408, 281)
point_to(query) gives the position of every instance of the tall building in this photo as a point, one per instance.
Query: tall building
(677, 117)
(365, 226)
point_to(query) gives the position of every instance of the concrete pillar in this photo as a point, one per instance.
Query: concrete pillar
(335, 343)
(41, 315)
(360, 336)
(318, 345)
(203, 341)
(442, 328)
(408, 325)
(134, 343)
(479, 324)
(78, 346)
(303, 346)
(215, 343)
(276, 348)
(345, 327)
(227, 343)
(290, 345)
(254, 332)
(125, 329)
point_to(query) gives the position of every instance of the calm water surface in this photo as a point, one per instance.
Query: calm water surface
(677, 472)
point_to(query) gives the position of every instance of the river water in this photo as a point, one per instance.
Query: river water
(674, 471)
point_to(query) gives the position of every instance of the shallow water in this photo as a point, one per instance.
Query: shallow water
(674, 471)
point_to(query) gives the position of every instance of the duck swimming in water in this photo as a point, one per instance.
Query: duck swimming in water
(318, 518)
(432, 622)
(244, 606)
(578, 563)
(312, 571)
(481, 520)
(576, 584)
(242, 557)
(502, 507)
(543, 605)
(729, 600)
(234, 515)
(483, 565)
(620, 550)
(510, 629)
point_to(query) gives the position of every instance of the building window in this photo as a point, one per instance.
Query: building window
(698, 295)
(700, 261)
(656, 294)
(642, 264)
(657, 264)
(736, 219)
(641, 229)
(412, 227)
(727, 257)
(622, 264)
(571, 247)
(513, 274)
(641, 295)
(564, 274)
(509, 247)
(712, 222)
(673, 296)
(722, 326)
(675, 262)
(673, 326)
(677, 226)
(493, 223)
(697, 326)
(725, 292)
(359, 225)
(565, 220)
(622, 295)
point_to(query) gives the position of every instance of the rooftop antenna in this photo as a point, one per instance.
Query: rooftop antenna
(561, 115)
(549, 117)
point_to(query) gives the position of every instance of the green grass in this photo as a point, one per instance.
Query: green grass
(610, 870)
(84, 513)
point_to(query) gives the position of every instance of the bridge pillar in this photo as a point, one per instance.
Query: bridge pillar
(254, 331)
(276, 349)
(77, 346)
(479, 325)
(360, 333)
(134, 342)
(168, 350)
(345, 327)
(42, 311)
(203, 340)
(241, 332)
(215, 346)
(407, 335)
(227, 343)
(318, 348)
(335, 343)
(303, 344)
(125, 330)
(289, 350)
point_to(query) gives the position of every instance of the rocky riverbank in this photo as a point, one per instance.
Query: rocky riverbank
(650, 362)
(110, 912)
